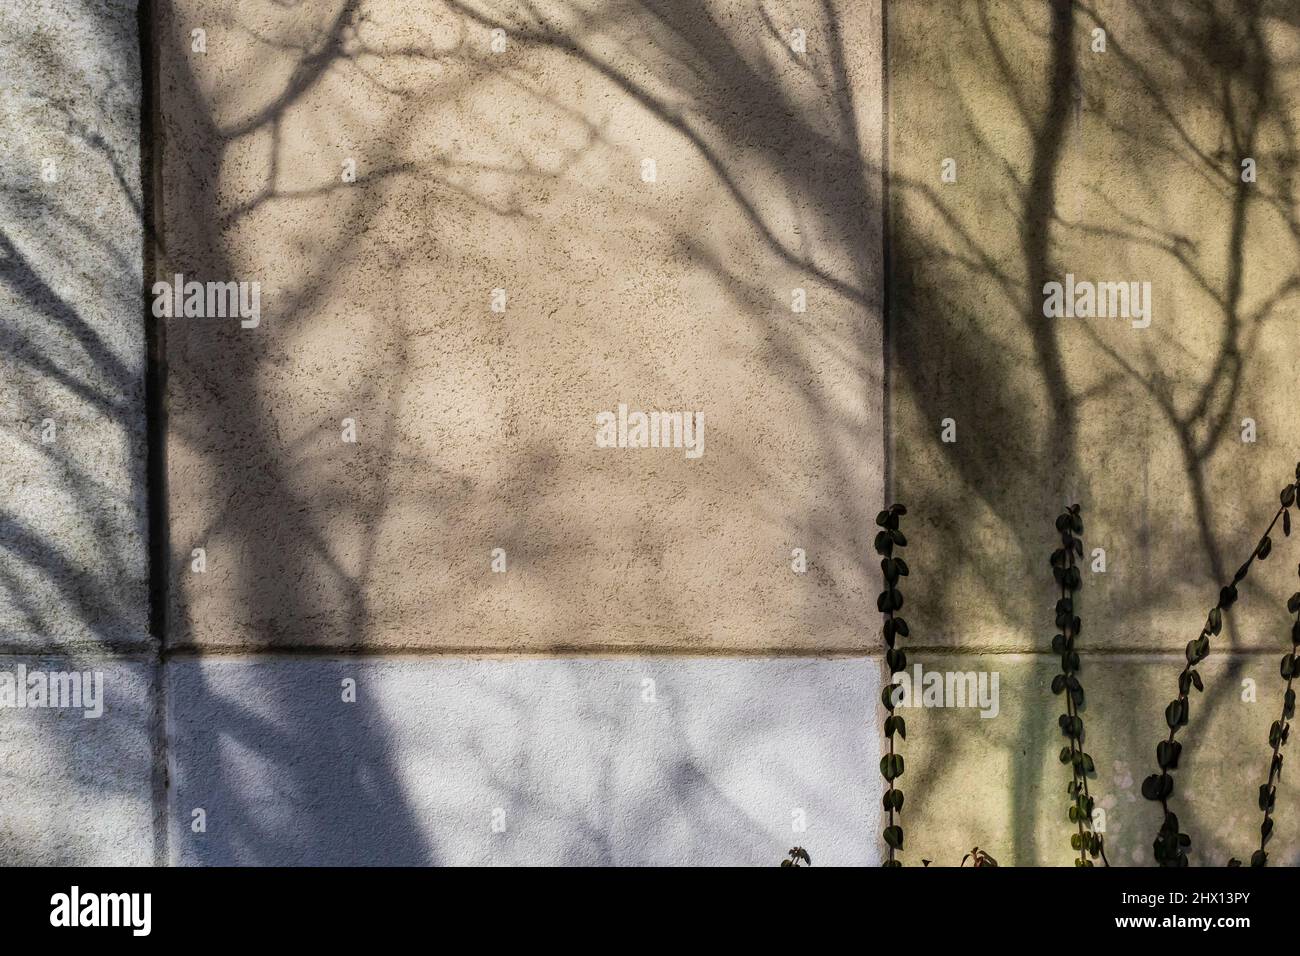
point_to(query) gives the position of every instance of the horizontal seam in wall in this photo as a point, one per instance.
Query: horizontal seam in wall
(116, 652)
(1163, 653)
(507, 653)
(146, 654)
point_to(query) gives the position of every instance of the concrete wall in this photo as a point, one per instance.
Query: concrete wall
(72, 353)
(1114, 165)
(592, 761)
(475, 430)
(73, 568)
(648, 680)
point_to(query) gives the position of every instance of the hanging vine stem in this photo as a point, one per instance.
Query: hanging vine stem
(1171, 844)
(1277, 736)
(1281, 728)
(1086, 842)
(890, 601)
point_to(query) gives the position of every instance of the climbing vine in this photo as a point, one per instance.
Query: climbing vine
(1277, 737)
(1171, 843)
(1085, 840)
(893, 567)
(1280, 728)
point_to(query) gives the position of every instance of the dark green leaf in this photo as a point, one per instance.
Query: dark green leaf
(1174, 713)
(884, 545)
(1167, 752)
(1158, 786)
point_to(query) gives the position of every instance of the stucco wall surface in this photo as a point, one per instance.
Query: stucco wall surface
(72, 517)
(657, 217)
(998, 782)
(1103, 141)
(649, 191)
(527, 171)
(80, 781)
(634, 760)
(1112, 166)
(73, 574)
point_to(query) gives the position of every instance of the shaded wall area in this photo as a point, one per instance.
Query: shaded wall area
(519, 761)
(73, 529)
(1122, 164)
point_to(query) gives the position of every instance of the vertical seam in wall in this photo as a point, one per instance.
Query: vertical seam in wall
(886, 249)
(886, 298)
(155, 419)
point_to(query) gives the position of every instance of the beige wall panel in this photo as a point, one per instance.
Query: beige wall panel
(1122, 165)
(522, 170)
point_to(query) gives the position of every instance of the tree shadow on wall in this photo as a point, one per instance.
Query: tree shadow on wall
(965, 312)
(770, 128)
(1081, 162)
(73, 574)
(222, 423)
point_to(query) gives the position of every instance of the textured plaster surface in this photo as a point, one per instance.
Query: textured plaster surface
(998, 783)
(522, 171)
(72, 504)
(78, 790)
(1122, 165)
(656, 760)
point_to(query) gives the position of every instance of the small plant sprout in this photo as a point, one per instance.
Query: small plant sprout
(797, 856)
(978, 858)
